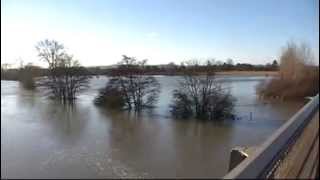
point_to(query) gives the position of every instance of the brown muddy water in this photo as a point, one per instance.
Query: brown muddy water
(41, 138)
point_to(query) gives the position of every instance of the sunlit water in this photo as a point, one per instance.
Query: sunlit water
(41, 138)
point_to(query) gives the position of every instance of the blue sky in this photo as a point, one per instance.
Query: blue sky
(98, 32)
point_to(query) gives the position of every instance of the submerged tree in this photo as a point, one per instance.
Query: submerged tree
(66, 78)
(201, 97)
(128, 88)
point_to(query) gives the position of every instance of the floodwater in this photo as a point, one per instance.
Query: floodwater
(41, 138)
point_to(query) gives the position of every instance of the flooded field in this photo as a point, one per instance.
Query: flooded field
(41, 138)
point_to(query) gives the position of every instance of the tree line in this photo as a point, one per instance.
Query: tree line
(8, 73)
(130, 87)
(178, 69)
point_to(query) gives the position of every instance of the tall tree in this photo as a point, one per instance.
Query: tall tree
(66, 78)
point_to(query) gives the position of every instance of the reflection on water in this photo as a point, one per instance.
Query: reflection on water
(46, 139)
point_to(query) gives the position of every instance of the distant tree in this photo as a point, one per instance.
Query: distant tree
(66, 77)
(171, 64)
(210, 62)
(275, 63)
(230, 62)
(5, 66)
(271, 66)
(219, 63)
(182, 66)
(201, 97)
(171, 68)
(8, 73)
(128, 88)
(27, 73)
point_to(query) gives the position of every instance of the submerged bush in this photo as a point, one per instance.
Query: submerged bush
(110, 96)
(201, 97)
(181, 107)
(128, 88)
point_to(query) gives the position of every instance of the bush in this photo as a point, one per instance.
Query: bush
(110, 97)
(181, 107)
(201, 97)
(128, 86)
(298, 77)
(307, 85)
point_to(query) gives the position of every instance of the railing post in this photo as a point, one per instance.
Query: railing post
(237, 155)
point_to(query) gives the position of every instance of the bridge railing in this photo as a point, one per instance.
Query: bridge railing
(262, 161)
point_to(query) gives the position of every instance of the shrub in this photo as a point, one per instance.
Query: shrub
(298, 77)
(201, 97)
(111, 97)
(128, 86)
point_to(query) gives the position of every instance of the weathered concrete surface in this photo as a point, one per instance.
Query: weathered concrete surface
(238, 154)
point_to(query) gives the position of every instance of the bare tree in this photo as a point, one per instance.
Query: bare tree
(128, 88)
(66, 77)
(201, 96)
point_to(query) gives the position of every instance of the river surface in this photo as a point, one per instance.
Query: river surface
(41, 138)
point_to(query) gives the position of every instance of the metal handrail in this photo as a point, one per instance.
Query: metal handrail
(256, 164)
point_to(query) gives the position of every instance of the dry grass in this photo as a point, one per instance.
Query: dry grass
(285, 89)
(298, 78)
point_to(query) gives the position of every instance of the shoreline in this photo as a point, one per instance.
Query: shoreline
(219, 73)
(249, 73)
(224, 73)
